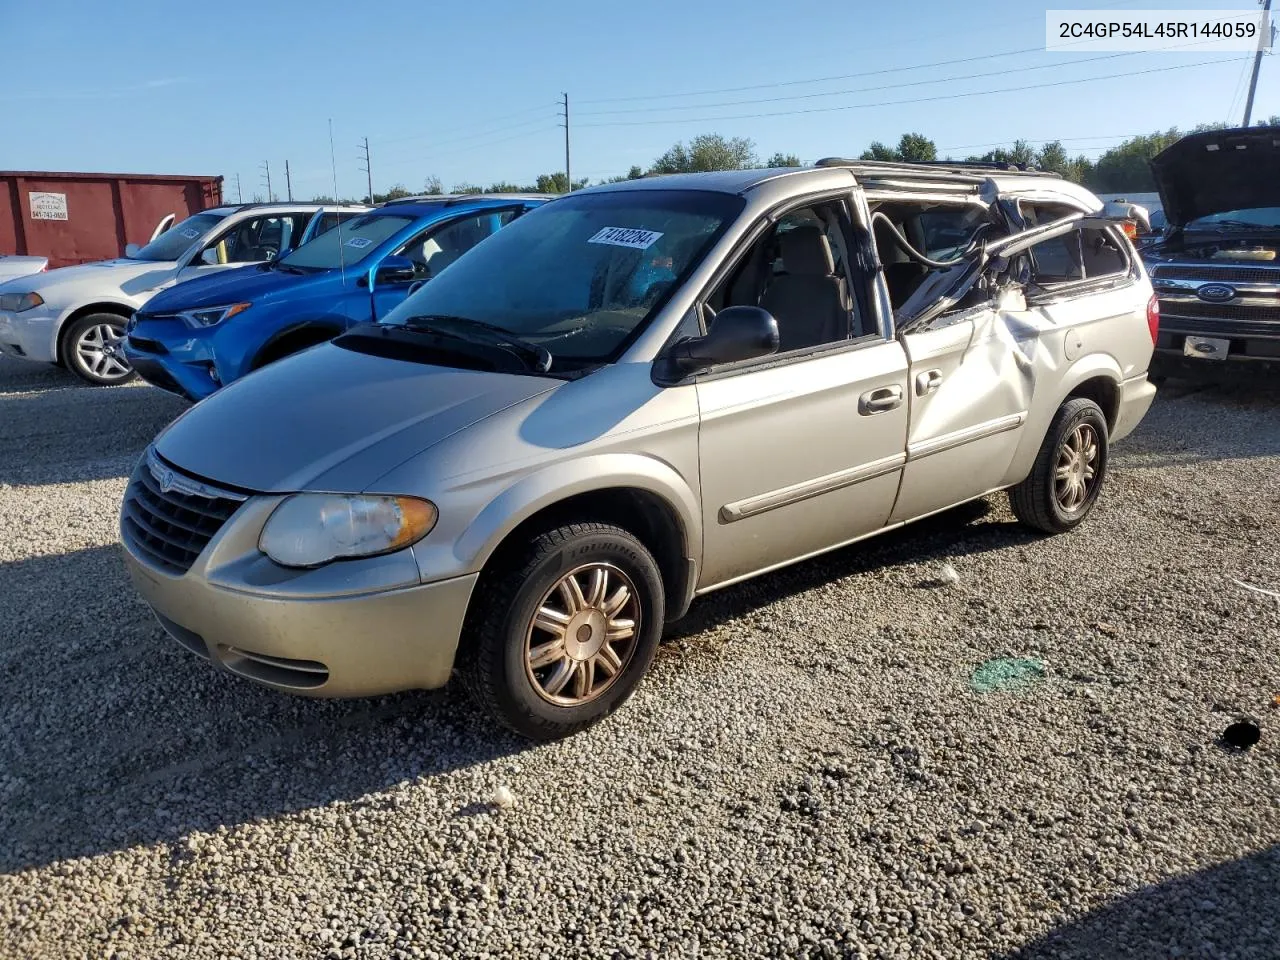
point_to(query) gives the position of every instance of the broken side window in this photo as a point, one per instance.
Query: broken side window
(1086, 253)
(940, 231)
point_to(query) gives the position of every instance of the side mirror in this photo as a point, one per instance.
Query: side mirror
(738, 333)
(209, 257)
(392, 270)
(131, 249)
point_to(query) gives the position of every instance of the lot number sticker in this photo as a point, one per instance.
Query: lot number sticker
(48, 206)
(191, 233)
(359, 242)
(627, 237)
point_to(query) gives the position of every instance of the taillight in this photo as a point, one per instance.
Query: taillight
(1153, 317)
(1130, 229)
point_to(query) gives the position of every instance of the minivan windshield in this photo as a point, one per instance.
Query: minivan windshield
(179, 238)
(580, 275)
(356, 240)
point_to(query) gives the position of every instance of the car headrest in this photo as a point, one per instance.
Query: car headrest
(805, 250)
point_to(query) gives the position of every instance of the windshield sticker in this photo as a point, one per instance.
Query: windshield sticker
(359, 242)
(631, 237)
(191, 234)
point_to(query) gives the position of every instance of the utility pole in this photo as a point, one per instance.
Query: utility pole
(368, 167)
(1257, 58)
(266, 165)
(568, 176)
(288, 182)
(239, 193)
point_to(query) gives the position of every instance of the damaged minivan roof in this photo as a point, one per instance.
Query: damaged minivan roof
(1217, 171)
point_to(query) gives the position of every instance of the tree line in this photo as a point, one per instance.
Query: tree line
(1123, 168)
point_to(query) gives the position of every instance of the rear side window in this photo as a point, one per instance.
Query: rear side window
(1088, 253)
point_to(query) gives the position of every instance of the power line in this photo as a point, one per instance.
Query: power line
(843, 76)
(888, 86)
(466, 126)
(895, 103)
(540, 122)
(1001, 143)
(394, 164)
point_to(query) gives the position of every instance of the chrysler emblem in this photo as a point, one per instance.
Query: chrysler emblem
(163, 475)
(1215, 292)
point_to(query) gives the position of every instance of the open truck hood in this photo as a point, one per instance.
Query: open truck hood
(1219, 170)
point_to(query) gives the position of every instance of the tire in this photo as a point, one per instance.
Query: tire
(85, 351)
(527, 605)
(1052, 503)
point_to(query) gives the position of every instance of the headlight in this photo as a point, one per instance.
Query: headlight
(17, 302)
(208, 316)
(310, 529)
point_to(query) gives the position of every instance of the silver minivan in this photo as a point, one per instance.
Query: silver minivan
(634, 395)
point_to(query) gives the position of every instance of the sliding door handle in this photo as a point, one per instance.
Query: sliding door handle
(928, 382)
(880, 400)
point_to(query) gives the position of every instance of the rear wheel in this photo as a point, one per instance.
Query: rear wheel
(91, 347)
(1069, 470)
(562, 634)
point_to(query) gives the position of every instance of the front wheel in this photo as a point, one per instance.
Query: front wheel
(560, 637)
(1069, 470)
(92, 349)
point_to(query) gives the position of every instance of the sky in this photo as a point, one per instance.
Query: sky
(470, 92)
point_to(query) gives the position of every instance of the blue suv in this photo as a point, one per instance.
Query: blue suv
(200, 335)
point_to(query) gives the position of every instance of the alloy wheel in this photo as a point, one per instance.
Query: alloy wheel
(583, 634)
(1076, 473)
(98, 349)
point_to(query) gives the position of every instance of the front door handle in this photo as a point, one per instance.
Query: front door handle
(880, 400)
(928, 382)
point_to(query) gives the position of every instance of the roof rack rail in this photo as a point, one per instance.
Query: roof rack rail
(958, 166)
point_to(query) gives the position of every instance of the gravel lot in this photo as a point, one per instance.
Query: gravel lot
(807, 772)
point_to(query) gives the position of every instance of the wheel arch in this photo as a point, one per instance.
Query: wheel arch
(307, 333)
(1096, 376)
(641, 495)
(122, 310)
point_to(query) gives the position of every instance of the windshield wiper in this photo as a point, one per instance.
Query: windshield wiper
(464, 328)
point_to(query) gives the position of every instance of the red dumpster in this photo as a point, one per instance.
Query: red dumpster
(78, 217)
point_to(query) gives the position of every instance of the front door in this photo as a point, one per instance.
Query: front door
(799, 457)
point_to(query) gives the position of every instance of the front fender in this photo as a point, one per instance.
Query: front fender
(560, 481)
(1045, 405)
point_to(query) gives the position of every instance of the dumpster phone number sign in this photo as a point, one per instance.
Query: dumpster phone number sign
(48, 206)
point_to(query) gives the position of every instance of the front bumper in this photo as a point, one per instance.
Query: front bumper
(168, 355)
(29, 335)
(349, 629)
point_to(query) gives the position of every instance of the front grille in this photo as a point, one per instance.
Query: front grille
(147, 344)
(171, 528)
(1216, 311)
(1223, 274)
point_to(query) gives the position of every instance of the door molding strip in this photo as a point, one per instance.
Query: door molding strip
(785, 496)
(949, 441)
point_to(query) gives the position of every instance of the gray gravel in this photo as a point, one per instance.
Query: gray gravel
(807, 772)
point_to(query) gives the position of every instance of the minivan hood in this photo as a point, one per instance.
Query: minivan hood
(330, 419)
(1218, 170)
(250, 283)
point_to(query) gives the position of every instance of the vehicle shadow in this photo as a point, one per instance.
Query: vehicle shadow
(1225, 911)
(970, 528)
(78, 433)
(112, 735)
